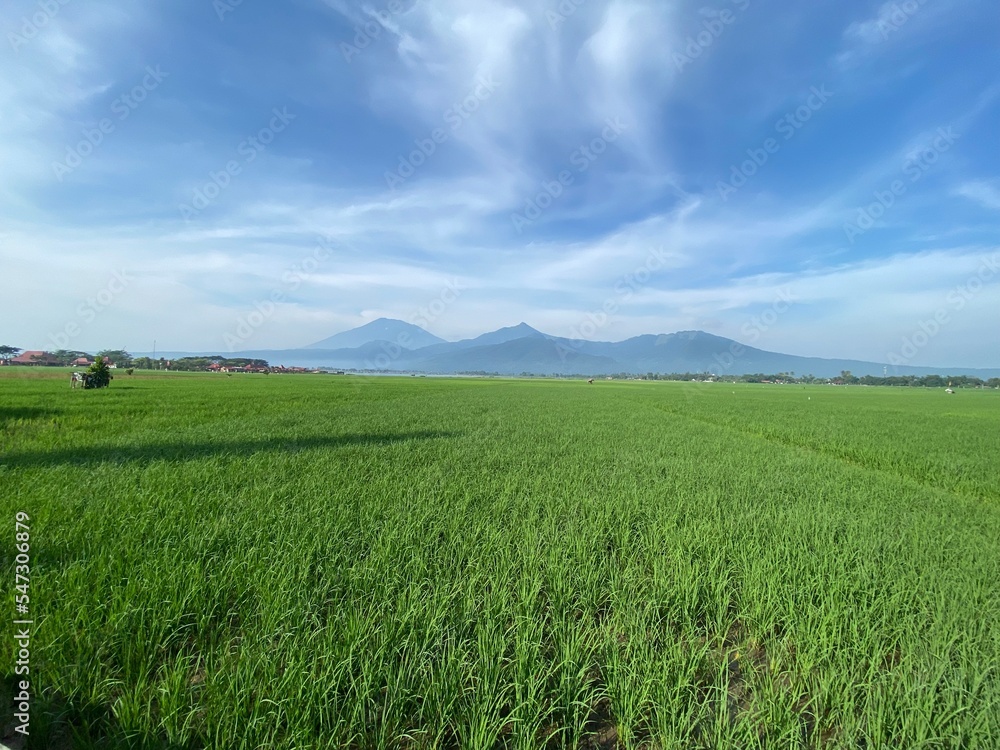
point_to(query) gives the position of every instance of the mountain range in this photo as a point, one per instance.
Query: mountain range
(394, 345)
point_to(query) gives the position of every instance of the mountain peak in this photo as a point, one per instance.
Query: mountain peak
(522, 326)
(502, 335)
(406, 335)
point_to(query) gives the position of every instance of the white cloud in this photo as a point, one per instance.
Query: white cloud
(892, 21)
(984, 193)
(394, 251)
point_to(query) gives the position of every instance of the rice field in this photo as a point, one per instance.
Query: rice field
(346, 562)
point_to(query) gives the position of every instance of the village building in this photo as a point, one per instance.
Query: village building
(35, 357)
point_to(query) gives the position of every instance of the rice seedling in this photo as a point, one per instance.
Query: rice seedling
(327, 562)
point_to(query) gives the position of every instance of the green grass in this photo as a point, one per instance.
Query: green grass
(330, 561)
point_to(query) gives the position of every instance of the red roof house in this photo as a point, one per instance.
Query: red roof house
(34, 357)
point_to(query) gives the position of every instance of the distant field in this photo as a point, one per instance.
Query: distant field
(335, 561)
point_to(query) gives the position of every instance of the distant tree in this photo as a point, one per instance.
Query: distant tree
(100, 373)
(202, 363)
(119, 356)
(66, 356)
(933, 381)
(6, 352)
(965, 381)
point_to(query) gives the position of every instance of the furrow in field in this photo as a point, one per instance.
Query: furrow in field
(842, 455)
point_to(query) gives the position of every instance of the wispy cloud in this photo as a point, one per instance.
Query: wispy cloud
(986, 194)
(407, 93)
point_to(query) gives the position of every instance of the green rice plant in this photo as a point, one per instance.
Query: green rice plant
(315, 562)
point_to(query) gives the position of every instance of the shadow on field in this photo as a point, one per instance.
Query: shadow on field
(15, 413)
(57, 723)
(182, 451)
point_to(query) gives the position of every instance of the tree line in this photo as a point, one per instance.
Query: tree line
(845, 378)
(783, 378)
(65, 357)
(121, 358)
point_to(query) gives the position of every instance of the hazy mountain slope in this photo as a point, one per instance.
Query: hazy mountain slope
(405, 335)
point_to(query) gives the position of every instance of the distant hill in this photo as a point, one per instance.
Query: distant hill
(405, 335)
(392, 345)
(503, 335)
(533, 354)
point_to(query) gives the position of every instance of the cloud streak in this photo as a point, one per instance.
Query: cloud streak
(414, 76)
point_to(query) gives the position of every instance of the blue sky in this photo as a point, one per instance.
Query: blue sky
(819, 178)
